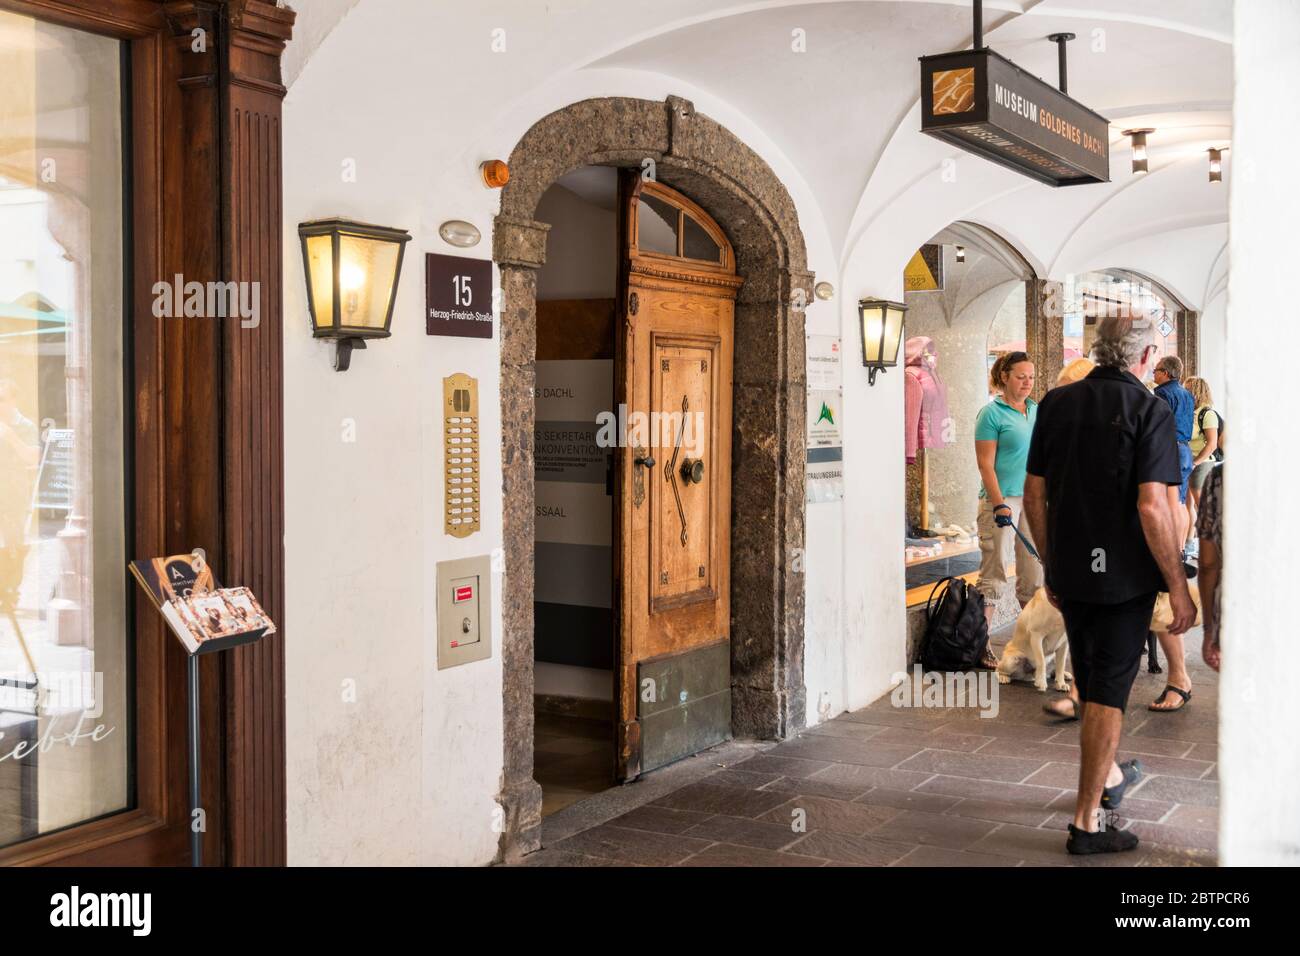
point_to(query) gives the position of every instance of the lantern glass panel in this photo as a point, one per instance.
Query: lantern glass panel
(872, 326)
(893, 335)
(367, 269)
(320, 259)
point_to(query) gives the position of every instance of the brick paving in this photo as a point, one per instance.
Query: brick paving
(887, 786)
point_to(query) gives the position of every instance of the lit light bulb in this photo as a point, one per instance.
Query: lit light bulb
(351, 277)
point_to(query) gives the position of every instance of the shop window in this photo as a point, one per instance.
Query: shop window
(65, 732)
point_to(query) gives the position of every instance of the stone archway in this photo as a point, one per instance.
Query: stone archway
(698, 156)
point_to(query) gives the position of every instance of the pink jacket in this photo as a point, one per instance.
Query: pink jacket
(925, 398)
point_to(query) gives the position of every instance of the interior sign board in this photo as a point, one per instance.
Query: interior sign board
(985, 104)
(458, 296)
(924, 271)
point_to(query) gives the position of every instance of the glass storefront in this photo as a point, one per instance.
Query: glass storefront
(1093, 295)
(65, 749)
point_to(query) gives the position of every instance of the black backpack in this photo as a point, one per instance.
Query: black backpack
(956, 633)
(1217, 455)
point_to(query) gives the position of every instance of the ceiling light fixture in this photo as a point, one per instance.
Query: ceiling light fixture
(1216, 163)
(1138, 145)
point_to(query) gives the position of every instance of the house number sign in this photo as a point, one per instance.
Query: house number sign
(458, 296)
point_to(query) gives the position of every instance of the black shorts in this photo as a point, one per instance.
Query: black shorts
(1107, 642)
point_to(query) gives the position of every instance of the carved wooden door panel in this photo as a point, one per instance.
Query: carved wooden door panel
(675, 522)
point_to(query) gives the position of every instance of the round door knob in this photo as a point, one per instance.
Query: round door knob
(693, 470)
(647, 460)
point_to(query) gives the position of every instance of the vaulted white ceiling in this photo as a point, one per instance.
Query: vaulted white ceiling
(844, 110)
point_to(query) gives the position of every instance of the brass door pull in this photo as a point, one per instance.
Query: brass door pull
(692, 470)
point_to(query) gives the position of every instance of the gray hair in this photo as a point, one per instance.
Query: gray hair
(1120, 341)
(1172, 366)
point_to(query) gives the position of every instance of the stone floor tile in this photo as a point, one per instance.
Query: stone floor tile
(1001, 812)
(739, 831)
(816, 787)
(1017, 793)
(848, 848)
(935, 829)
(867, 753)
(781, 766)
(908, 800)
(707, 797)
(742, 779)
(1060, 775)
(931, 739)
(842, 727)
(977, 766)
(1132, 808)
(725, 854)
(659, 819)
(625, 845)
(1179, 856)
(1204, 793)
(997, 727)
(1190, 815)
(941, 856)
(854, 775)
(837, 816)
(1180, 836)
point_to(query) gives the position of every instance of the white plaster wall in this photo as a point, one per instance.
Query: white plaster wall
(407, 774)
(581, 248)
(1259, 815)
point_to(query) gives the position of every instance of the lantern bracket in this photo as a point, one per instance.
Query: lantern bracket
(343, 352)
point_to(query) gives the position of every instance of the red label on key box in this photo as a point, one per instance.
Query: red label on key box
(462, 594)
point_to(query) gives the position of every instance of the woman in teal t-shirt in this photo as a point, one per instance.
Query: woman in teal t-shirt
(1002, 430)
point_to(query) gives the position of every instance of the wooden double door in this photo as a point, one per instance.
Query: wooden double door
(673, 373)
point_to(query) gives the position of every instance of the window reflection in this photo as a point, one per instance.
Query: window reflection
(64, 754)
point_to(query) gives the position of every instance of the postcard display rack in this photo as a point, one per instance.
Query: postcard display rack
(207, 619)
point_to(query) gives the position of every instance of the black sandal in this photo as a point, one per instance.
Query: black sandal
(1186, 695)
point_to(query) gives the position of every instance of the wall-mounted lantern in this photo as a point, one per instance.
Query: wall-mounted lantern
(352, 270)
(961, 253)
(1216, 163)
(1138, 144)
(882, 334)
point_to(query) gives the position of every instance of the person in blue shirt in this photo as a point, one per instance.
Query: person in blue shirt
(1002, 431)
(1169, 387)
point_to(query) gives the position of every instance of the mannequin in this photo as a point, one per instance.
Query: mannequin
(925, 398)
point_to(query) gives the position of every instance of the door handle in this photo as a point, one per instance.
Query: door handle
(647, 460)
(693, 470)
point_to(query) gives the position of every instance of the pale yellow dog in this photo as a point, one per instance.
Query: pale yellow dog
(1040, 633)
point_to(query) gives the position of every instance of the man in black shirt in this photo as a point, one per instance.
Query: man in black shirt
(1100, 460)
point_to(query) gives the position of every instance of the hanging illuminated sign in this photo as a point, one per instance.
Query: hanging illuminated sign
(985, 104)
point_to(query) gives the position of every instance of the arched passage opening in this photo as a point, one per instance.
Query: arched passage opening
(698, 157)
(1176, 325)
(971, 297)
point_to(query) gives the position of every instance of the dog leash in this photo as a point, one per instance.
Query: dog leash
(1008, 523)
